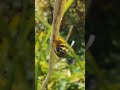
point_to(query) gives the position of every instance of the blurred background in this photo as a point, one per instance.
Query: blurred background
(17, 45)
(103, 57)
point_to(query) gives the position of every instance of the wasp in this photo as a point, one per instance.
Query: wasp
(61, 47)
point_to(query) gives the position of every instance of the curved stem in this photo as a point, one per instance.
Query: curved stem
(57, 17)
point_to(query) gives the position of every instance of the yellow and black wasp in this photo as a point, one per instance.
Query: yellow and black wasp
(61, 47)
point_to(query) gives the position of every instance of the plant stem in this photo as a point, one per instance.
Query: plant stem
(57, 17)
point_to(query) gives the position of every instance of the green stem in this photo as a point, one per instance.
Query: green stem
(68, 4)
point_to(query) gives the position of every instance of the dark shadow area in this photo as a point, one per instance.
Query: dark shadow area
(103, 57)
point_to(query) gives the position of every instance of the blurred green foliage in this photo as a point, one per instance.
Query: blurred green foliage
(69, 72)
(16, 45)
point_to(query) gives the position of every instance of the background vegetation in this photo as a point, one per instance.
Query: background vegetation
(17, 45)
(103, 57)
(69, 73)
